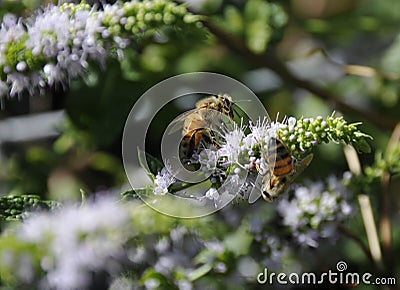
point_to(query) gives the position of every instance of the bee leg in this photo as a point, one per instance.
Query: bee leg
(184, 147)
(261, 171)
(187, 150)
(213, 140)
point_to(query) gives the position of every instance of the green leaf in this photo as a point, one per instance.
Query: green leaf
(258, 29)
(362, 146)
(165, 283)
(258, 36)
(234, 20)
(149, 163)
(137, 193)
(240, 241)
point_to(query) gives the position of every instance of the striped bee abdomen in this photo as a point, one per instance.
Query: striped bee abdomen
(190, 142)
(281, 162)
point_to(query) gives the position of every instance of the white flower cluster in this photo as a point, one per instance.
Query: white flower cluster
(162, 181)
(57, 44)
(233, 166)
(74, 242)
(316, 209)
(274, 248)
(239, 147)
(76, 247)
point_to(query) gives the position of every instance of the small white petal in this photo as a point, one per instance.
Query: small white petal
(21, 66)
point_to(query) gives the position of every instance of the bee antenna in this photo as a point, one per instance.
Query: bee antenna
(240, 101)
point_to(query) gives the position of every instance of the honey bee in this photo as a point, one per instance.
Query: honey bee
(283, 169)
(198, 123)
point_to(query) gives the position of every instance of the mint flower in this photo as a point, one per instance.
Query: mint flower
(56, 44)
(69, 245)
(302, 135)
(232, 146)
(162, 181)
(316, 209)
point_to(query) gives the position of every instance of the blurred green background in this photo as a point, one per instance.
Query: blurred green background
(349, 47)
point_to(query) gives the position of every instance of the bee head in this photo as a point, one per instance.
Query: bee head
(225, 105)
(274, 188)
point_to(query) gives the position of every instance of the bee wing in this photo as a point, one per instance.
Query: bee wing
(178, 123)
(302, 164)
(255, 193)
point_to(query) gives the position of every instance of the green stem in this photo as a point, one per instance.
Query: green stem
(176, 187)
